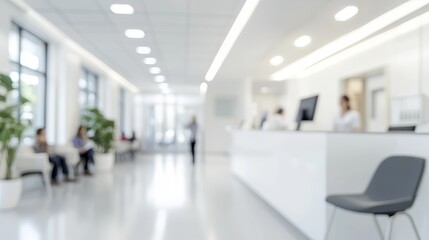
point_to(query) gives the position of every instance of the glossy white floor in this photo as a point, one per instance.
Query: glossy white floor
(157, 197)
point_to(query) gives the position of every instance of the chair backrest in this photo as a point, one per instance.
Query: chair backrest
(397, 177)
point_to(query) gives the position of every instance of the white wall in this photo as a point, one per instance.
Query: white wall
(64, 69)
(404, 60)
(217, 138)
(4, 36)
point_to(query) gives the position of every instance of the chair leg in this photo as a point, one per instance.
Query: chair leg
(413, 224)
(47, 181)
(330, 223)
(389, 228)
(377, 224)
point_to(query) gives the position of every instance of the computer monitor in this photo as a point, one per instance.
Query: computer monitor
(307, 110)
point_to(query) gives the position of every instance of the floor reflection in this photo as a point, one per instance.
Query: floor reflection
(156, 197)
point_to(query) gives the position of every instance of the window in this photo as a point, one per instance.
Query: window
(28, 60)
(88, 85)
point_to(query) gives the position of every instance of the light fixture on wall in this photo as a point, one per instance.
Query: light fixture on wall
(155, 70)
(239, 24)
(346, 13)
(159, 78)
(349, 39)
(302, 41)
(277, 60)
(122, 9)
(143, 50)
(150, 61)
(134, 33)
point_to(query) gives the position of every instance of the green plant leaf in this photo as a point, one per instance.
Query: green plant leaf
(6, 82)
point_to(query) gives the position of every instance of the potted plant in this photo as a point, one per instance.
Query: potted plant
(11, 131)
(102, 133)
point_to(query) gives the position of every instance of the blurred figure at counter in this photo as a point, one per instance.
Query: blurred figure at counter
(347, 120)
(275, 121)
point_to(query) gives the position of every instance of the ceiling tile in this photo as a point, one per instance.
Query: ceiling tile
(86, 5)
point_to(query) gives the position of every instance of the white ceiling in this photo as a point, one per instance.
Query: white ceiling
(184, 34)
(277, 23)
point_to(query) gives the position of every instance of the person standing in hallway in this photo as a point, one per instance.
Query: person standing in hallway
(347, 120)
(275, 121)
(193, 128)
(57, 161)
(85, 148)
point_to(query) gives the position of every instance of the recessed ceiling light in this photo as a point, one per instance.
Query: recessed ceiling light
(238, 26)
(264, 90)
(163, 85)
(155, 70)
(122, 8)
(203, 87)
(143, 50)
(159, 78)
(277, 60)
(149, 61)
(302, 41)
(134, 33)
(166, 91)
(346, 13)
(349, 39)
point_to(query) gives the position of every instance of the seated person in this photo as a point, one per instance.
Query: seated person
(123, 137)
(133, 137)
(41, 146)
(275, 121)
(85, 148)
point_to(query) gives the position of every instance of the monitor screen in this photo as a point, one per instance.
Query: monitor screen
(307, 109)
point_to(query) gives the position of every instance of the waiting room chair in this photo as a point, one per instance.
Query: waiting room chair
(28, 162)
(72, 156)
(122, 150)
(391, 192)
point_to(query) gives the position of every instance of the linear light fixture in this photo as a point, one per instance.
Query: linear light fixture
(238, 26)
(349, 39)
(371, 43)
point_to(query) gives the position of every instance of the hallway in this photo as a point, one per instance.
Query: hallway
(157, 197)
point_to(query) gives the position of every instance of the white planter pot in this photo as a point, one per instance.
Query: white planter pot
(10, 193)
(104, 162)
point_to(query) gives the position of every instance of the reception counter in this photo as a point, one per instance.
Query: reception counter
(295, 171)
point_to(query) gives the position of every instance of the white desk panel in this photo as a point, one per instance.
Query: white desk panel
(295, 171)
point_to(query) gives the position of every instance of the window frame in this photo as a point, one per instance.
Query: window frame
(86, 75)
(20, 68)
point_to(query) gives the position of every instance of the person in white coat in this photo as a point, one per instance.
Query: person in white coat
(347, 120)
(275, 121)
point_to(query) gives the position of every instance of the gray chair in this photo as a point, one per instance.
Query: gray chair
(391, 192)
